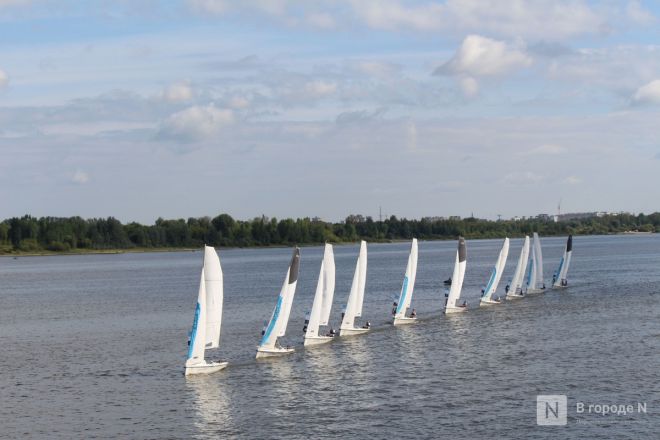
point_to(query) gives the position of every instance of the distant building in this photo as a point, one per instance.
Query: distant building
(454, 217)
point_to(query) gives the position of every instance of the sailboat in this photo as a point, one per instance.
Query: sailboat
(325, 290)
(405, 297)
(205, 331)
(495, 276)
(356, 297)
(276, 327)
(535, 282)
(515, 290)
(457, 280)
(559, 278)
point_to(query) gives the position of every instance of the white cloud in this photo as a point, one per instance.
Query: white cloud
(546, 150)
(481, 56)
(638, 14)
(80, 177)
(178, 92)
(572, 180)
(238, 102)
(321, 20)
(522, 178)
(4, 79)
(209, 6)
(195, 123)
(648, 93)
(320, 88)
(544, 19)
(470, 86)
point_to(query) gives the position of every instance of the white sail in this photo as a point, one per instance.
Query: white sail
(276, 327)
(405, 297)
(197, 340)
(539, 284)
(560, 279)
(535, 279)
(496, 274)
(214, 296)
(328, 284)
(356, 296)
(362, 279)
(521, 267)
(457, 276)
(324, 294)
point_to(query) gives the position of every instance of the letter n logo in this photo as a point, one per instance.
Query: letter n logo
(551, 410)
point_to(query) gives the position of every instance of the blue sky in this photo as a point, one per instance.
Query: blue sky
(140, 109)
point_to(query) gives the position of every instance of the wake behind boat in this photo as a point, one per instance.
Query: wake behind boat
(405, 297)
(325, 290)
(559, 279)
(356, 297)
(276, 327)
(495, 276)
(457, 280)
(205, 331)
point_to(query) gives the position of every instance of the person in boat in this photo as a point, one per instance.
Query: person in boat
(413, 314)
(448, 282)
(506, 288)
(483, 292)
(305, 326)
(464, 304)
(564, 283)
(394, 304)
(367, 325)
(543, 286)
(331, 333)
(554, 278)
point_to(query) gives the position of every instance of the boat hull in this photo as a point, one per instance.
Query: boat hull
(263, 352)
(489, 302)
(534, 291)
(352, 331)
(515, 297)
(452, 310)
(316, 340)
(404, 320)
(206, 368)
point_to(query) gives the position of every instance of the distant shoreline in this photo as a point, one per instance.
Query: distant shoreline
(47, 253)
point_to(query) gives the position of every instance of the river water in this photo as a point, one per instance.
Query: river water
(93, 346)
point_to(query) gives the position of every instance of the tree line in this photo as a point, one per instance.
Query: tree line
(58, 234)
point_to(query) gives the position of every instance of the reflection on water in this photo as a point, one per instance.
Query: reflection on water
(212, 403)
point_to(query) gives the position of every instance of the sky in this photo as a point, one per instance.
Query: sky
(144, 109)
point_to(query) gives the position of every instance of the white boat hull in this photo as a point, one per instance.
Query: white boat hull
(263, 352)
(316, 340)
(404, 320)
(205, 368)
(352, 331)
(534, 291)
(451, 310)
(489, 302)
(515, 296)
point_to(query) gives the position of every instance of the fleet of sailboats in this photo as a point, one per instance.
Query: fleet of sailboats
(325, 292)
(276, 327)
(559, 279)
(495, 276)
(451, 301)
(402, 306)
(356, 297)
(205, 333)
(515, 287)
(535, 283)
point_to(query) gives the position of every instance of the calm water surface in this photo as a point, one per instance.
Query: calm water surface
(93, 347)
